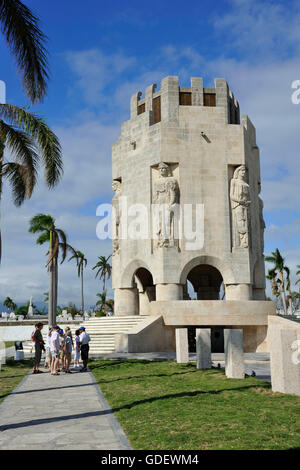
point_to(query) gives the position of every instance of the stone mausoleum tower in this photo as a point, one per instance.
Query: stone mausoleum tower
(187, 149)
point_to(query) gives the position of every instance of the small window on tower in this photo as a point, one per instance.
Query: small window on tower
(141, 108)
(156, 110)
(185, 98)
(209, 99)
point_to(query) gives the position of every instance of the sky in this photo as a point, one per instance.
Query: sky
(103, 53)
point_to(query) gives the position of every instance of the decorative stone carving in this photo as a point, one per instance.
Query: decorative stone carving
(262, 224)
(240, 201)
(116, 186)
(166, 195)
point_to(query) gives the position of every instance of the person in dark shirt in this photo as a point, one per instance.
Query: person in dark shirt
(39, 347)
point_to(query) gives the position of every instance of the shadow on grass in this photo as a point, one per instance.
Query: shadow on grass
(10, 377)
(180, 395)
(143, 377)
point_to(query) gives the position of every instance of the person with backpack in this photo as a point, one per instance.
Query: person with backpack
(68, 346)
(77, 349)
(39, 347)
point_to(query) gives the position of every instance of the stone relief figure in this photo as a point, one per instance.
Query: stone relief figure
(166, 195)
(240, 200)
(117, 187)
(262, 224)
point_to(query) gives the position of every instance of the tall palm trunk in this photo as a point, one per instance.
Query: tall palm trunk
(51, 284)
(282, 292)
(2, 146)
(55, 283)
(82, 296)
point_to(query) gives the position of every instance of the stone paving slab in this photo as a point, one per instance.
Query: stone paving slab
(59, 412)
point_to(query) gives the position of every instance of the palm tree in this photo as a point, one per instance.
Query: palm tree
(46, 296)
(104, 269)
(81, 264)
(280, 267)
(9, 303)
(45, 225)
(272, 277)
(104, 302)
(27, 43)
(298, 273)
(25, 135)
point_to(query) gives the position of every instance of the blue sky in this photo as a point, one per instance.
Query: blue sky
(103, 52)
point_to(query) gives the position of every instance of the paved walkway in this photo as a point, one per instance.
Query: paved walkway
(59, 412)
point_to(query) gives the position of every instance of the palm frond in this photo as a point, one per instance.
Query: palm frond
(27, 42)
(22, 148)
(44, 137)
(17, 176)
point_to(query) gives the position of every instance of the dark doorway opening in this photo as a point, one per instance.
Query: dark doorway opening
(217, 338)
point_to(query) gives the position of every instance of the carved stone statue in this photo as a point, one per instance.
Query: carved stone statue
(166, 195)
(117, 187)
(240, 200)
(262, 224)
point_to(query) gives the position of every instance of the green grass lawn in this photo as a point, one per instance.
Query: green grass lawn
(11, 375)
(8, 344)
(165, 405)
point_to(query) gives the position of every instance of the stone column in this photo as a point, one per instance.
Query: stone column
(182, 345)
(238, 291)
(285, 360)
(222, 96)
(197, 91)
(126, 301)
(169, 99)
(169, 291)
(203, 348)
(234, 354)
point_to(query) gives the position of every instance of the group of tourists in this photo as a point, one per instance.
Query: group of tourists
(59, 347)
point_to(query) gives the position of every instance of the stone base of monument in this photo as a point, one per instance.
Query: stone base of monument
(234, 354)
(203, 348)
(284, 343)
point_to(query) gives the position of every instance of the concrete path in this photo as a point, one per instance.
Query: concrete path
(59, 412)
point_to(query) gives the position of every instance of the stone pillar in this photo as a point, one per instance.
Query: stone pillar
(134, 104)
(182, 345)
(284, 345)
(197, 91)
(149, 97)
(144, 303)
(222, 96)
(203, 348)
(126, 301)
(169, 291)
(238, 291)
(234, 354)
(169, 99)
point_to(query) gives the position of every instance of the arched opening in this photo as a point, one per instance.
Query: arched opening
(146, 289)
(206, 281)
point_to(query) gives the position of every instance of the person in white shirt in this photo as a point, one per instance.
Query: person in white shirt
(48, 351)
(54, 348)
(84, 340)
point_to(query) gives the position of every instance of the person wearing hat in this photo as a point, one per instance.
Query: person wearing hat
(84, 340)
(55, 347)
